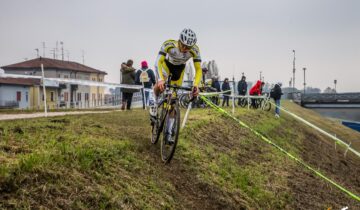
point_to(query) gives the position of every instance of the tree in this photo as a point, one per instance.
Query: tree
(329, 90)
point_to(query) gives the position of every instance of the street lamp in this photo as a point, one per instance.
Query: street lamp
(294, 72)
(304, 80)
(260, 75)
(335, 82)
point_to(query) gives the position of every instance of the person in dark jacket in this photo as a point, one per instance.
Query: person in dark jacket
(242, 88)
(276, 93)
(127, 78)
(226, 86)
(216, 85)
(146, 78)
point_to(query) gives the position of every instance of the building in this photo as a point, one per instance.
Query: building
(63, 94)
(18, 92)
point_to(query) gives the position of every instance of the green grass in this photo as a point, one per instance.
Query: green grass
(106, 161)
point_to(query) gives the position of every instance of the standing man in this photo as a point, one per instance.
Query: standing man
(146, 78)
(276, 93)
(226, 87)
(216, 85)
(127, 78)
(242, 88)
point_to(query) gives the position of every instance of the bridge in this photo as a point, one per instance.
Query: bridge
(330, 100)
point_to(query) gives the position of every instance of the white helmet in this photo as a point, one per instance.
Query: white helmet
(280, 84)
(188, 37)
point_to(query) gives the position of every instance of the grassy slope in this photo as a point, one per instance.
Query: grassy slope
(332, 126)
(106, 161)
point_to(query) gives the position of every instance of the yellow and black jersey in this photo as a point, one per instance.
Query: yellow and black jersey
(171, 51)
(171, 59)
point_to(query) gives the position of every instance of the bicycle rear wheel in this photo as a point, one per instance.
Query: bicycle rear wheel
(243, 102)
(266, 106)
(169, 141)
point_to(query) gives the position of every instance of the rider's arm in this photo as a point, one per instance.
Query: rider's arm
(198, 73)
(197, 64)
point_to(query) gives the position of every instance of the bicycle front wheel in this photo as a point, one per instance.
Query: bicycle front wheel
(170, 133)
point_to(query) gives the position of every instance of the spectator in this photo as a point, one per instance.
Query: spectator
(242, 87)
(216, 85)
(225, 87)
(146, 78)
(256, 90)
(276, 93)
(127, 78)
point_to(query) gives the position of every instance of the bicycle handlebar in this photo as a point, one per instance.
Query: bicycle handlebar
(179, 87)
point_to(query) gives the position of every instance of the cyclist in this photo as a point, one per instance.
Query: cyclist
(172, 60)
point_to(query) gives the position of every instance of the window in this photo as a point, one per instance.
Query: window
(86, 96)
(66, 76)
(93, 96)
(66, 96)
(27, 96)
(79, 96)
(18, 96)
(52, 96)
(93, 79)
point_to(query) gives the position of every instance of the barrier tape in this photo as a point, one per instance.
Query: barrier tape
(222, 111)
(213, 93)
(74, 81)
(336, 139)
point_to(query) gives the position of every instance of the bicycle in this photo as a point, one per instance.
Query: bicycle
(263, 103)
(167, 119)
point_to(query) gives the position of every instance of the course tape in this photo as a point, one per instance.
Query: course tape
(74, 81)
(213, 93)
(218, 109)
(336, 139)
(208, 94)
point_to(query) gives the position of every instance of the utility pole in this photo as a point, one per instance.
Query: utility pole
(53, 51)
(68, 55)
(83, 57)
(57, 49)
(37, 52)
(294, 72)
(290, 82)
(260, 75)
(335, 82)
(304, 80)
(43, 43)
(62, 50)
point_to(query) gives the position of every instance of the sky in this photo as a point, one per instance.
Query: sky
(241, 36)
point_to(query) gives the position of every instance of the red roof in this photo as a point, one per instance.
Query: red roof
(52, 64)
(19, 81)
